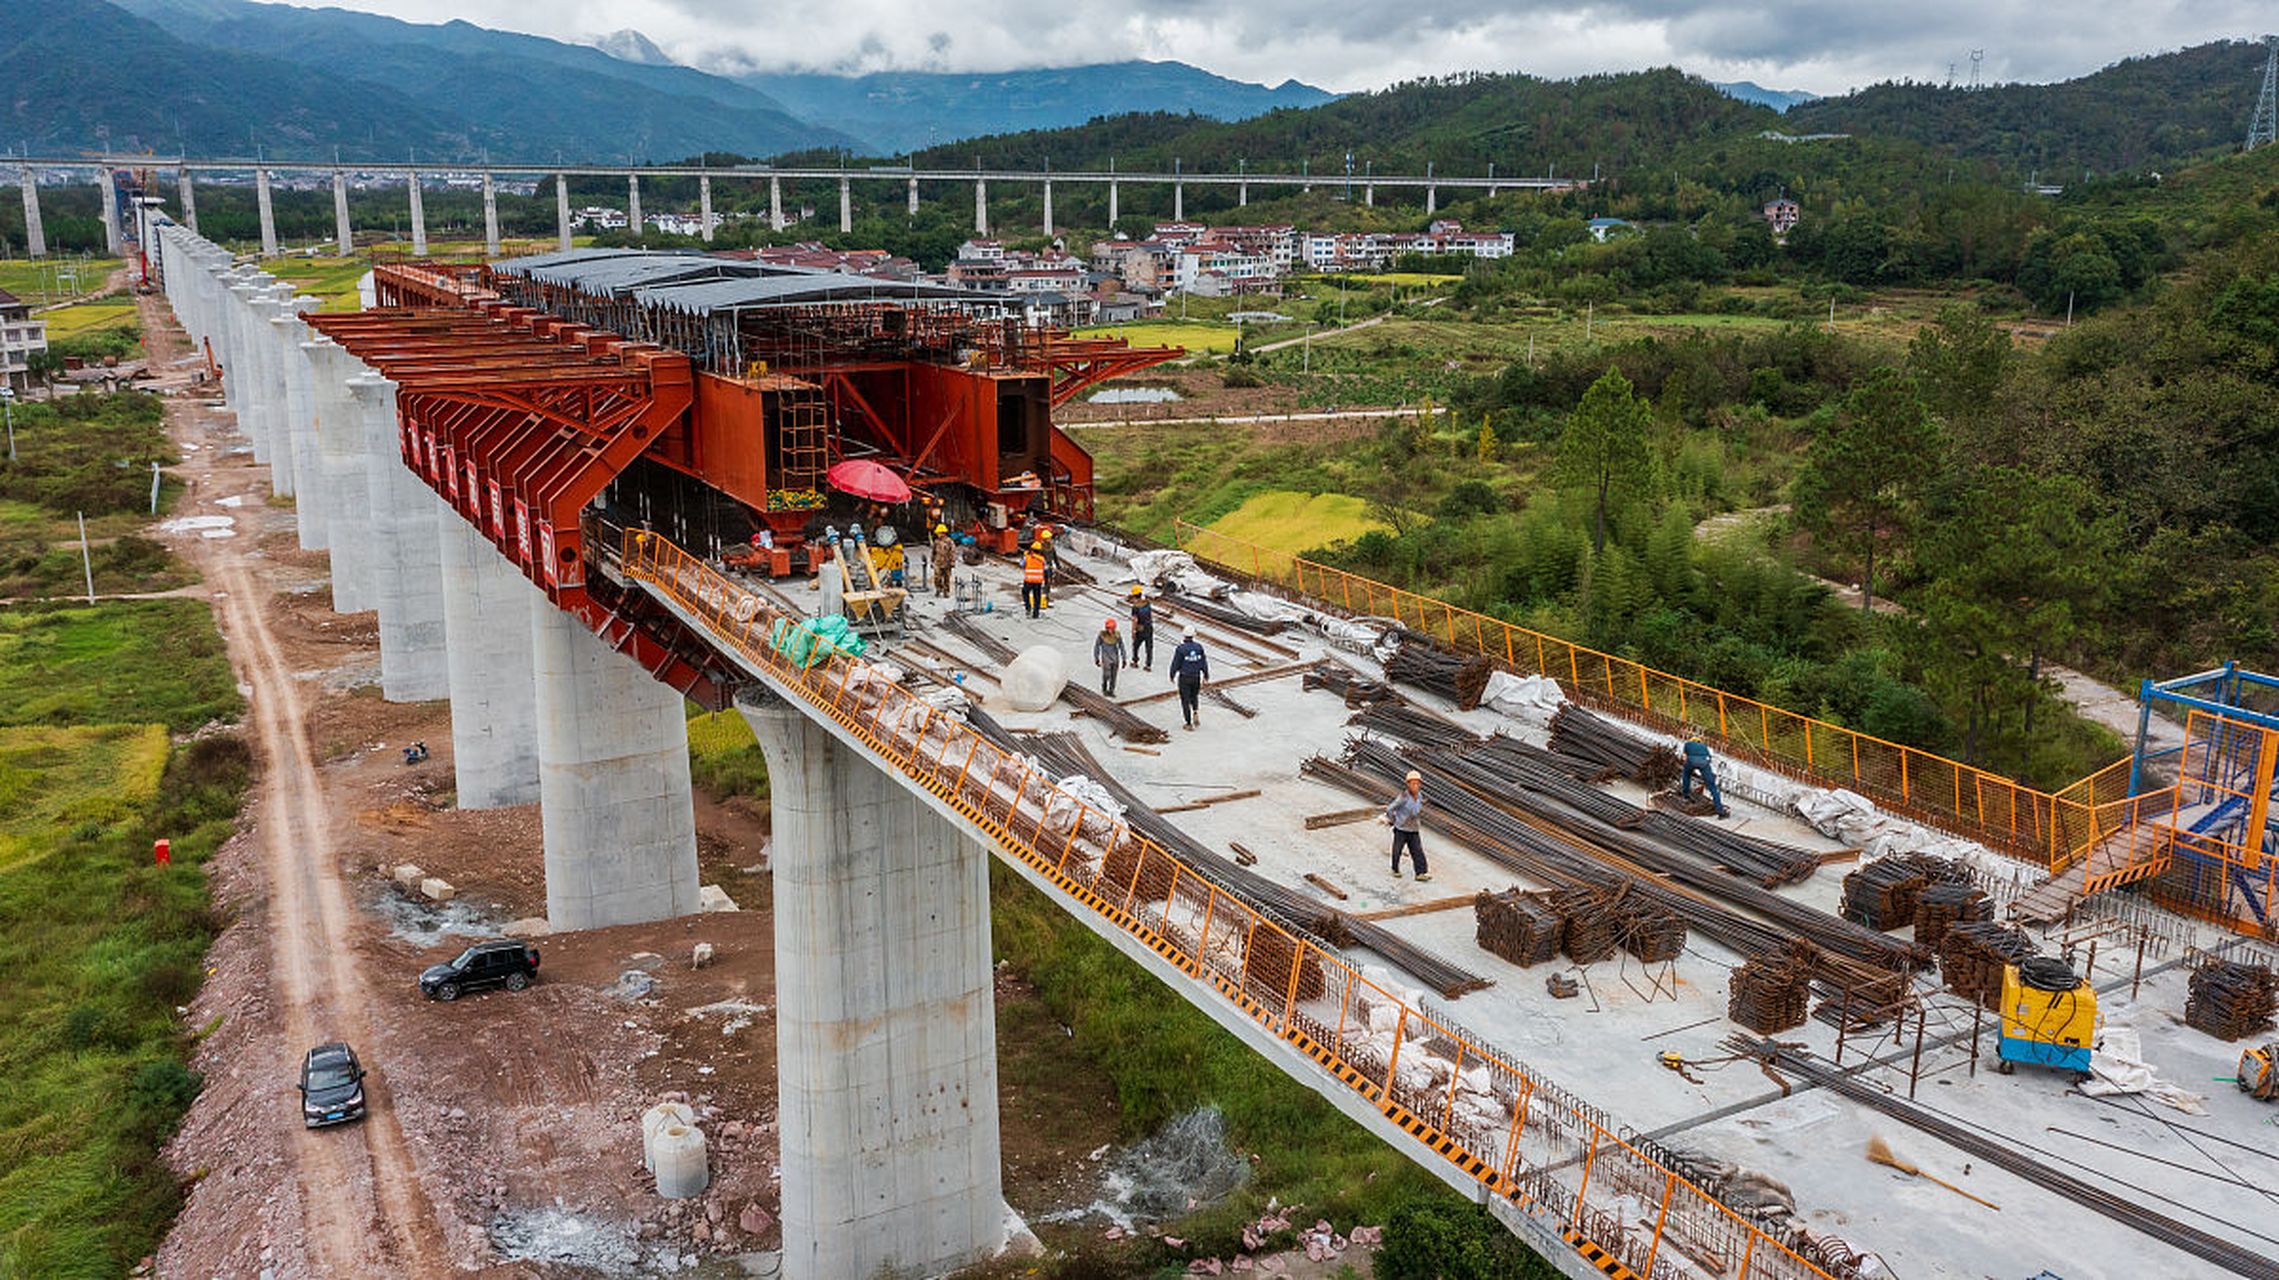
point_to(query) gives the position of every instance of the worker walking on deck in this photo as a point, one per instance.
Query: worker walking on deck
(1033, 579)
(1143, 630)
(1052, 561)
(1698, 766)
(944, 552)
(1405, 815)
(1190, 667)
(1108, 655)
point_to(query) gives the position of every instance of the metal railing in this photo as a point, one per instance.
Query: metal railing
(1518, 1135)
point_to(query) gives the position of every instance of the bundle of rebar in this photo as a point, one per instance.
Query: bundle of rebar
(1065, 754)
(1460, 678)
(1557, 845)
(2016, 1157)
(1588, 921)
(1351, 685)
(1862, 1004)
(1412, 723)
(2231, 1000)
(1116, 719)
(1973, 954)
(1651, 932)
(1942, 906)
(1881, 895)
(1517, 925)
(1585, 736)
(1771, 992)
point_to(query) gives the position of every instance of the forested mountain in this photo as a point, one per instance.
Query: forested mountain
(1462, 124)
(897, 111)
(2153, 112)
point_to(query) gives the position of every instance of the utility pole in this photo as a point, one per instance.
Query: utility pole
(2264, 128)
(8, 410)
(86, 557)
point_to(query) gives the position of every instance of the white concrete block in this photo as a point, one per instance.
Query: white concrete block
(437, 889)
(408, 876)
(712, 897)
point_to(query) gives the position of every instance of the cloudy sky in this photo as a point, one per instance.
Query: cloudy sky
(1825, 46)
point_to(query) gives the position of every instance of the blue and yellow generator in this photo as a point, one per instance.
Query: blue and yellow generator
(2049, 1017)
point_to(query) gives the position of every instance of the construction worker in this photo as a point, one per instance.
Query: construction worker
(1033, 578)
(1697, 766)
(1143, 629)
(1189, 668)
(1052, 560)
(944, 551)
(1108, 655)
(1405, 816)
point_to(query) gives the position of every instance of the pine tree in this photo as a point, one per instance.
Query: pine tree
(1603, 450)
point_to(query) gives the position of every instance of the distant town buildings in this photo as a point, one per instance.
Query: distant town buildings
(21, 337)
(1782, 215)
(1601, 228)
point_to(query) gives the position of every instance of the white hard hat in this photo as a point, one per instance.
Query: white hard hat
(1186, 633)
(1414, 776)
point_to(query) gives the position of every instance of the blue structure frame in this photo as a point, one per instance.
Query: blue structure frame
(2221, 693)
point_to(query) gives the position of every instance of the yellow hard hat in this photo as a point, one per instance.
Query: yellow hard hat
(941, 528)
(1136, 589)
(1045, 533)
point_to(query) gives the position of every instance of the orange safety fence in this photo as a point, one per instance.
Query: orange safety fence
(2053, 831)
(1560, 1160)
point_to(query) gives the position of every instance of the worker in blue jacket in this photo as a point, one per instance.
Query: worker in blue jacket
(1698, 766)
(1190, 667)
(1405, 815)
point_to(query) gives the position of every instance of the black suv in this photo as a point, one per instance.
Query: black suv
(486, 964)
(332, 1086)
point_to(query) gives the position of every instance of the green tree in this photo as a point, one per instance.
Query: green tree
(1959, 364)
(1865, 469)
(1603, 450)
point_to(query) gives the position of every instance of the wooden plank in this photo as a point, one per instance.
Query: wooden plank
(1241, 854)
(1325, 886)
(1249, 677)
(1143, 751)
(1316, 821)
(1207, 801)
(1417, 908)
(1840, 855)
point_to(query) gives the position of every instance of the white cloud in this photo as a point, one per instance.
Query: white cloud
(1826, 46)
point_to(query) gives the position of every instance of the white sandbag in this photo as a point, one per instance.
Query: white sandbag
(1531, 700)
(1266, 608)
(1033, 680)
(1354, 637)
(1150, 566)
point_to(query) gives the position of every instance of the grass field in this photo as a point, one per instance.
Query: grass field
(86, 779)
(1292, 522)
(126, 662)
(1198, 338)
(331, 279)
(97, 945)
(116, 312)
(45, 280)
(723, 757)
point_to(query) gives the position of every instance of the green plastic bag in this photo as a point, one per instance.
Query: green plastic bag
(809, 641)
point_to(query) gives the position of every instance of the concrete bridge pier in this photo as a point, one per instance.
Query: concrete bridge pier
(981, 206)
(1431, 192)
(703, 207)
(1369, 194)
(343, 235)
(188, 192)
(240, 383)
(613, 788)
(886, 1063)
(633, 223)
(490, 216)
(418, 214)
(487, 605)
(1113, 191)
(290, 422)
(775, 203)
(1178, 202)
(1242, 195)
(35, 235)
(913, 198)
(114, 239)
(846, 206)
(337, 430)
(267, 211)
(1048, 208)
(406, 560)
(562, 208)
(262, 380)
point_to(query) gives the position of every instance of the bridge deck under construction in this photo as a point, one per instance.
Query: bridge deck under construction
(1235, 785)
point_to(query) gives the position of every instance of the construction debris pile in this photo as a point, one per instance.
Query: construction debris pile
(1972, 955)
(1770, 993)
(1583, 736)
(1517, 925)
(1458, 678)
(2231, 1000)
(1124, 724)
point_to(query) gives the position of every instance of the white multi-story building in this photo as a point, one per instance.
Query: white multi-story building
(1217, 268)
(20, 337)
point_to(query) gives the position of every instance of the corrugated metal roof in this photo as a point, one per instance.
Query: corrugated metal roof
(619, 275)
(706, 297)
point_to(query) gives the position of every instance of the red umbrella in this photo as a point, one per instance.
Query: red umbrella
(866, 479)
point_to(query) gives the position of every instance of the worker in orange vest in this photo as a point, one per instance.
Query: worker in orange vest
(1033, 578)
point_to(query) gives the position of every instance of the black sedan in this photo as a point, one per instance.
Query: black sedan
(332, 1086)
